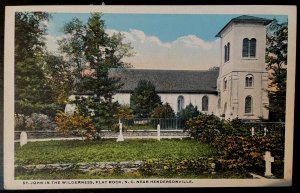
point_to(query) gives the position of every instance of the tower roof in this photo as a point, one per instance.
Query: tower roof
(245, 19)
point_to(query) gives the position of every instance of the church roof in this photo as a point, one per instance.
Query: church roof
(169, 81)
(245, 19)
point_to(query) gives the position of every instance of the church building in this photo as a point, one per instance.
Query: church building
(237, 89)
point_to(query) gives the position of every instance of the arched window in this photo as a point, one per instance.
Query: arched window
(252, 47)
(180, 103)
(204, 103)
(225, 84)
(245, 47)
(249, 47)
(248, 104)
(249, 80)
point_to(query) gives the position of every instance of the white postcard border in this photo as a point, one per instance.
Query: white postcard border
(10, 183)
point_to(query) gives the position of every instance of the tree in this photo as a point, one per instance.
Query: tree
(144, 99)
(60, 78)
(163, 111)
(188, 112)
(32, 93)
(276, 58)
(99, 52)
(73, 48)
(124, 112)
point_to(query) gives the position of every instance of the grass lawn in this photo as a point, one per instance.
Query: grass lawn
(108, 150)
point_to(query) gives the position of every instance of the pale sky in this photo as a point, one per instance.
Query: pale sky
(161, 41)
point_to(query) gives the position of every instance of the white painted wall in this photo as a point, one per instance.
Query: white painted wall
(195, 99)
(122, 98)
(236, 69)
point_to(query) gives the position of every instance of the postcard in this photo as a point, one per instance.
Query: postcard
(148, 96)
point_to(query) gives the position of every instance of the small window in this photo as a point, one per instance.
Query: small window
(180, 103)
(248, 104)
(249, 80)
(226, 52)
(225, 84)
(204, 103)
(249, 47)
(219, 100)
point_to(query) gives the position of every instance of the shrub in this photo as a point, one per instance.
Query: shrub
(20, 122)
(163, 111)
(78, 123)
(116, 127)
(246, 152)
(188, 112)
(124, 112)
(205, 127)
(34, 122)
(235, 127)
(237, 149)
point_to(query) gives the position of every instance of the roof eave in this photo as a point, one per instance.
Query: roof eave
(176, 91)
(264, 22)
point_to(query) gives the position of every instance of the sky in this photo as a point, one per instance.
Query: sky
(160, 41)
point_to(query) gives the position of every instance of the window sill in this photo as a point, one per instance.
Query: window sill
(248, 114)
(249, 58)
(248, 87)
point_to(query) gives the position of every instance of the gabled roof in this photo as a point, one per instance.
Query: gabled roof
(245, 19)
(169, 81)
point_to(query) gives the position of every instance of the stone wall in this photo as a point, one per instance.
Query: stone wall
(100, 167)
(93, 167)
(105, 134)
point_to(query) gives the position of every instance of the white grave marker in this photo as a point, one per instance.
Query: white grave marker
(158, 132)
(268, 160)
(120, 136)
(23, 138)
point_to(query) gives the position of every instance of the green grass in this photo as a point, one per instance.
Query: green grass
(78, 175)
(108, 150)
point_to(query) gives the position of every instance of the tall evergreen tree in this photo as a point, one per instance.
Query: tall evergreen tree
(276, 57)
(32, 93)
(98, 53)
(144, 99)
(73, 48)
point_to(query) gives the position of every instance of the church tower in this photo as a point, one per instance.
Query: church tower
(243, 78)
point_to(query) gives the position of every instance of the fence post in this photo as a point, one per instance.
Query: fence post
(252, 131)
(158, 132)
